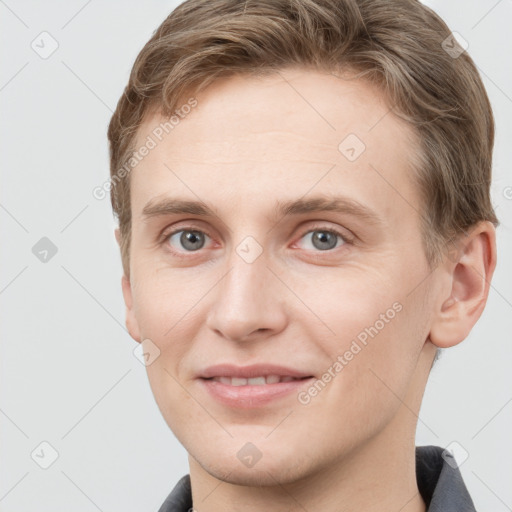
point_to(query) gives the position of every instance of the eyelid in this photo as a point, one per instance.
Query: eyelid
(176, 228)
(344, 234)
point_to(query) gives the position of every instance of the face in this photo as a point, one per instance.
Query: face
(302, 260)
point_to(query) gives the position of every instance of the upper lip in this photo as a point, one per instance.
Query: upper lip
(247, 372)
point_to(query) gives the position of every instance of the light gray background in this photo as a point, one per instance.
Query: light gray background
(68, 375)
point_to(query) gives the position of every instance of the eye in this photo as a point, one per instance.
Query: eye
(189, 239)
(324, 239)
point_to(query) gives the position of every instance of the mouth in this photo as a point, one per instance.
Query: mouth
(256, 381)
(253, 392)
(257, 385)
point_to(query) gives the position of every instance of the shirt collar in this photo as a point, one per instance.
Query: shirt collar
(437, 474)
(440, 481)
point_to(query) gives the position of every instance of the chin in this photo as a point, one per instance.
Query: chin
(275, 467)
(264, 475)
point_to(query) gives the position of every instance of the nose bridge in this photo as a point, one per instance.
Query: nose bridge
(245, 298)
(244, 287)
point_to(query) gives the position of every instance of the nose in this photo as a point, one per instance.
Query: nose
(248, 301)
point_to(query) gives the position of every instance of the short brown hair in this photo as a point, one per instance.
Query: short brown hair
(399, 45)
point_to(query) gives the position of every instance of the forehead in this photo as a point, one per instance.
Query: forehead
(250, 140)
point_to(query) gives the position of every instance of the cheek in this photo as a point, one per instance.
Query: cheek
(166, 310)
(376, 335)
(387, 364)
(163, 305)
(347, 306)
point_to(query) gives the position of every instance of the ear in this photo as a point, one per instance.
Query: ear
(117, 232)
(131, 322)
(469, 266)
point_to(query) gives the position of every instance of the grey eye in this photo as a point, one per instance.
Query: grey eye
(323, 240)
(190, 240)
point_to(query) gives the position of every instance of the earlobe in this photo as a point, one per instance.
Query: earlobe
(131, 322)
(470, 275)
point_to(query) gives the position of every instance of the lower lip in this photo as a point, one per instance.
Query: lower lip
(247, 397)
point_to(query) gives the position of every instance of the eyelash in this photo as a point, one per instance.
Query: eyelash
(166, 235)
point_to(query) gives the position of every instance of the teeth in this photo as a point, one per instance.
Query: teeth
(253, 381)
(256, 381)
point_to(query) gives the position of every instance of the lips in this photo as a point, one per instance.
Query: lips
(247, 387)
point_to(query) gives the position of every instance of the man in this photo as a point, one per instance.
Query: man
(302, 190)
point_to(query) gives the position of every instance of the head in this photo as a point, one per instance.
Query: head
(279, 107)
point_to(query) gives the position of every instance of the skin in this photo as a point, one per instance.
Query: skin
(248, 143)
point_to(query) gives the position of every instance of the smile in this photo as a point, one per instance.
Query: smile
(254, 381)
(253, 392)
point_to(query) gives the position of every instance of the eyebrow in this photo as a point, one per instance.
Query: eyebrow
(338, 204)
